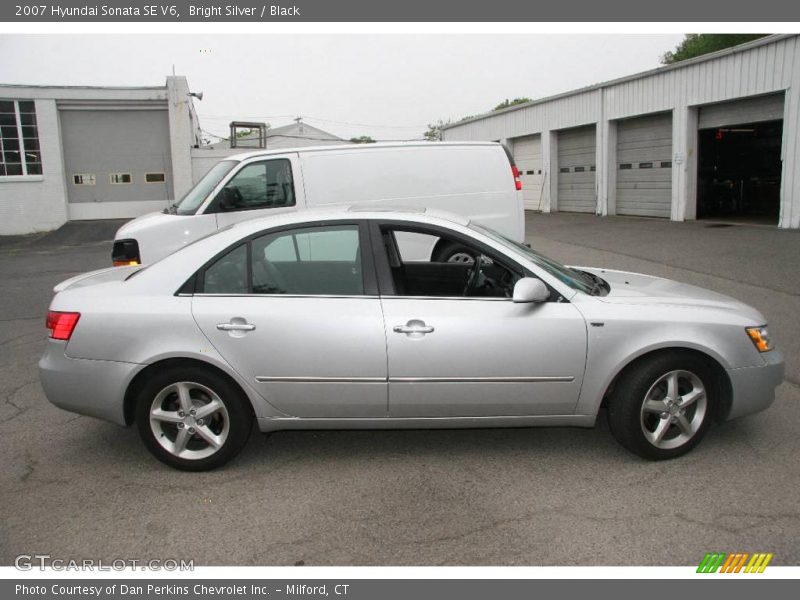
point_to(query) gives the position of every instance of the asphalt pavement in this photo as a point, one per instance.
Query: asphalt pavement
(74, 487)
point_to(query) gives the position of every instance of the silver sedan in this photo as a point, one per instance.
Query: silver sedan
(340, 319)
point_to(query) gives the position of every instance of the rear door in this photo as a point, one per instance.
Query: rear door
(295, 312)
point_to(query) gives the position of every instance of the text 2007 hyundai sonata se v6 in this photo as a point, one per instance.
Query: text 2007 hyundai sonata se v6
(338, 320)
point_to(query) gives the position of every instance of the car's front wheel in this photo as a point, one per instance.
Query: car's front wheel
(193, 419)
(662, 406)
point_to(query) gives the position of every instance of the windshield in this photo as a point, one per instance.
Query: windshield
(189, 204)
(577, 280)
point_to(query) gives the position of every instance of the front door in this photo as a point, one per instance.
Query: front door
(459, 347)
(297, 321)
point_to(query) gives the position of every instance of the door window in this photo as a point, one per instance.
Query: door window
(467, 272)
(312, 261)
(266, 184)
(228, 275)
(304, 261)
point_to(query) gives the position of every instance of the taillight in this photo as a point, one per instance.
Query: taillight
(62, 324)
(515, 173)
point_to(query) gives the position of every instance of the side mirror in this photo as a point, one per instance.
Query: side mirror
(227, 200)
(530, 289)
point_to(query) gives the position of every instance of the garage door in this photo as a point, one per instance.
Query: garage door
(644, 166)
(749, 110)
(528, 157)
(576, 170)
(117, 162)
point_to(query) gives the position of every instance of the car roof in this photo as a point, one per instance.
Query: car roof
(358, 211)
(362, 147)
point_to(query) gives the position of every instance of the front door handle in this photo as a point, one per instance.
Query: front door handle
(414, 328)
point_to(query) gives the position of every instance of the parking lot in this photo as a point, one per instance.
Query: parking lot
(74, 487)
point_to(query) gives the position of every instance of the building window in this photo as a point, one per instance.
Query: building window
(19, 139)
(645, 165)
(119, 178)
(84, 179)
(155, 178)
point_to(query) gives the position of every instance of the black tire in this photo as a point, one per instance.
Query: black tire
(237, 414)
(446, 251)
(629, 419)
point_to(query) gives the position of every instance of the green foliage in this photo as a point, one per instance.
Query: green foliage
(698, 44)
(364, 139)
(507, 103)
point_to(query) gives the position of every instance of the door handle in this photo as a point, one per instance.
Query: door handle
(235, 326)
(414, 327)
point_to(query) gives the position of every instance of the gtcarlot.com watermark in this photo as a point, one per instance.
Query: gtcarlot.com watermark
(29, 562)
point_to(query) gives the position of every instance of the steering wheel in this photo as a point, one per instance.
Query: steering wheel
(474, 276)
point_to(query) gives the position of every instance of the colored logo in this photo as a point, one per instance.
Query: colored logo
(734, 563)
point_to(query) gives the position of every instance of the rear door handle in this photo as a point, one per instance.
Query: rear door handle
(414, 328)
(235, 326)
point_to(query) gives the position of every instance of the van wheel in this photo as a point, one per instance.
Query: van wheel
(662, 406)
(453, 252)
(192, 419)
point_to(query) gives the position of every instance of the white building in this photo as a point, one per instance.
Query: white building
(715, 136)
(71, 153)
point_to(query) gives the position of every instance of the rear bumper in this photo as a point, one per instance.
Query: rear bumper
(754, 387)
(95, 388)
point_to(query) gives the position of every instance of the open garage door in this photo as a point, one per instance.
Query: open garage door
(528, 157)
(739, 162)
(576, 170)
(644, 166)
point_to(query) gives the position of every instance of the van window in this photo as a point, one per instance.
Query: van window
(264, 184)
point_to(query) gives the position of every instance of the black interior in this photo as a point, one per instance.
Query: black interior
(739, 172)
(483, 278)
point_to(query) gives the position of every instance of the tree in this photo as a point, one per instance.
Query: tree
(507, 103)
(434, 132)
(364, 139)
(698, 44)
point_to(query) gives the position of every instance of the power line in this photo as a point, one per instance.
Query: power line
(310, 118)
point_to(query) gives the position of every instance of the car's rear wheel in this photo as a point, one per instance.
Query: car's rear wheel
(193, 419)
(661, 407)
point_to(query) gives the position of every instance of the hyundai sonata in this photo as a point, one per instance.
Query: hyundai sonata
(337, 320)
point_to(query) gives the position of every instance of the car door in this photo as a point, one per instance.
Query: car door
(257, 189)
(454, 352)
(295, 312)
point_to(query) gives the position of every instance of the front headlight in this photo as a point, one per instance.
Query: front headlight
(760, 337)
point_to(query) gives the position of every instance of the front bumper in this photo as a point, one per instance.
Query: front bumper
(754, 387)
(95, 388)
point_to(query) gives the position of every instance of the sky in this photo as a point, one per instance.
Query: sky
(387, 86)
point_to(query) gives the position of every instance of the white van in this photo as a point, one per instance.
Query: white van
(477, 180)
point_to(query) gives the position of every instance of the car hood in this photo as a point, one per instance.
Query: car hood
(146, 222)
(636, 288)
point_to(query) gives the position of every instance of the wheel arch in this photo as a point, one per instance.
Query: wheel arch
(714, 362)
(136, 384)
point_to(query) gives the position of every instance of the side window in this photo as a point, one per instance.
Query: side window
(228, 275)
(266, 184)
(470, 273)
(309, 261)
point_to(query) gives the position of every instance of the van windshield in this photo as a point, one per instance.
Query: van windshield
(189, 204)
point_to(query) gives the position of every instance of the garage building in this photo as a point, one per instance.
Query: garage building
(714, 137)
(82, 153)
